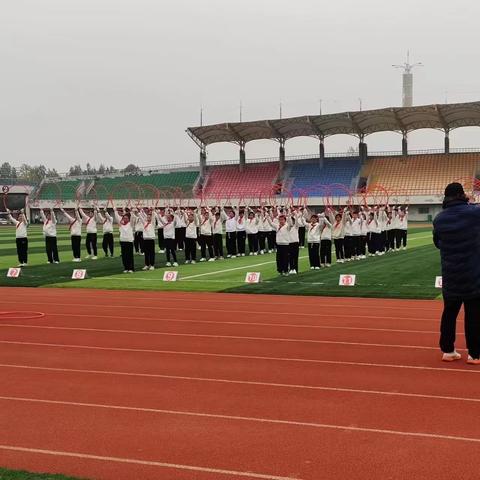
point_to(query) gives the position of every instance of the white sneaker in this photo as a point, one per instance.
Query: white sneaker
(168, 264)
(180, 249)
(87, 256)
(187, 262)
(152, 268)
(130, 271)
(229, 256)
(243, 254)
(234, 256)
(125, 271)
(145, 268)
(57, 262)
(203, 259)
(175, 264)
(255, 253)
(211, 259)
(473, 361)
(221, 258)
(312, 268)
(251, 253)
(193, 262)
(94, 258)
(451, 357)
(161, 251)
(328, 265)
(317, 268)
(404, 248)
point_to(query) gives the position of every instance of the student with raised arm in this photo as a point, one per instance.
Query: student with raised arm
(356, 225)
(283, 241)
(206, 237)
(272, 234)
(149, 220)
(251, 227)
(217, 230)
(402, 228)
(21, 236)
(126, 239)
(50, 233)
(338, 223)
(241, 231)
(372, 240)
(363, 236)
(263, 231)
(137, 233)
(326, 242)
(294, 244)
(192, 223)
(348, 238)
(107, 228)
(180, 229)
(75, 229)
(313, 240)
(169, 236)
(382, 227)
(161, 240)
(231, 232)
(300, 219)
(91, 227)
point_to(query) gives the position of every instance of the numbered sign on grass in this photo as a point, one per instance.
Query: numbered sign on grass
(438, 282)
(79, 274)
(14, 272)
(347, 280)
(170, 276)
(252, 277)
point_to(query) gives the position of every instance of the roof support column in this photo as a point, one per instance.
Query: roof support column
(203, 162)
(447, 141)
(281, 156)
(362, 149)
(322, 149)
(404, 144)
(242, 156)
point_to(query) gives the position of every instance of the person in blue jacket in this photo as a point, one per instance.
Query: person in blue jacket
(456, 233)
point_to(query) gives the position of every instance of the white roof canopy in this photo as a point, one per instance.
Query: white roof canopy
(444, 117)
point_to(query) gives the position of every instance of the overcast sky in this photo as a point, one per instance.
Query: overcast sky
(119, 81)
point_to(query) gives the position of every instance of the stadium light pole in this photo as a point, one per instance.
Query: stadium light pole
(407, 87)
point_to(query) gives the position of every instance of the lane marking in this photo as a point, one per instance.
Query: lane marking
(255, 324)
(86, 456)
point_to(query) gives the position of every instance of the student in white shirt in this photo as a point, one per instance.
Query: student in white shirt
(161, 239)
(348, 237)
(313, 240)
(373, 236)
(283, 241)
(126, 240)
(363, 236)
(21, 236)
(231, 232)
(169, 236)
(294, 245)
(206, 237)
(75, 229)
(326, 243)
(338, 224)
(272, 234)
(251, 227)
(180, 229)
(149, 221)
(301, 227)
(263, 231)
(137, 233)
(217, 229)
(50, 233)
(107, 227)
(191, 237)
(241, 231)
(91, 227)
(402, 228)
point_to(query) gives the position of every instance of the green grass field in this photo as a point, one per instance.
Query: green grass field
(405, 274)
(21, 475)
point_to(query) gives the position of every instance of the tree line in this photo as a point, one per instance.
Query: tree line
(36, 173)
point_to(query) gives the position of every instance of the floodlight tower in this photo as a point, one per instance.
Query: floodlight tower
(407, 93)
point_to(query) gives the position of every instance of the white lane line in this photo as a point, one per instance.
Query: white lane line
(279, 339)
(86, 456)
(208, 322)
(180, 308)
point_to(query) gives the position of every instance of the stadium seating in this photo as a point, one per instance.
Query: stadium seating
(228, 181)
(307, 175)
(59, 190)
(422, 174)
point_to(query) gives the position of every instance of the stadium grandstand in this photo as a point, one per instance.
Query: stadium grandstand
(417, 178)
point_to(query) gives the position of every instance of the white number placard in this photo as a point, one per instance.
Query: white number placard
(14, 272)
(170, 276)
(252, 277)
(79, 274)
(347, 280)
(438, 282)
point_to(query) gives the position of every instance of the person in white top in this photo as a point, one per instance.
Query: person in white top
(91, 226)
(263, 230)
(75, 229)
(348, 237)
(107, 227)
(373, 236)
(251, 227)
(326, 243)
(50, 233)
(402, 228)
(313, 240)
(301, 226)
(161, 240)
(192, 224)
(363, 236)
(180, 229)
(217, 229)
(282, 230)
(293, 219)
(228, 216)
(241, 231)
(126, 239)
(137, 233)
(149, 220)
(21, 236)
(390, 244)
(338, 232)
(206, 236)
(169, 237)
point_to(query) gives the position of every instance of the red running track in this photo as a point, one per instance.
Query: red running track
(180, 386)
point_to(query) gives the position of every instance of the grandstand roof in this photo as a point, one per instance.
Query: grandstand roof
(394, 119)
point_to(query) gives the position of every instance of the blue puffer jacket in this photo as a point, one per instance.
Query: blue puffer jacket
(456, 232)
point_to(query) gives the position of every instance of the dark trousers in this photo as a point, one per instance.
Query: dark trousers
(339, 252)
(161, 240)
(325, 252)
(282, 258)
(363, 244)
(371, 241)
(138, 242)
(301, 236)
(271, 239)
(51, 249)
(190, 249)
(22, 250)
(170, 250)
(390, 239)
(206, 241)
(241, 240)
(262, 237)
(232, 243)
(91, 244)
(401, 239)
(293, 256)
(355, 246)
(313, 254)
(252, 242)
(218, 245)
(127, 255)
(149, 250)
(76, 245)
(107, 243)
(451, 308)
(180, 237)
(347, 246)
